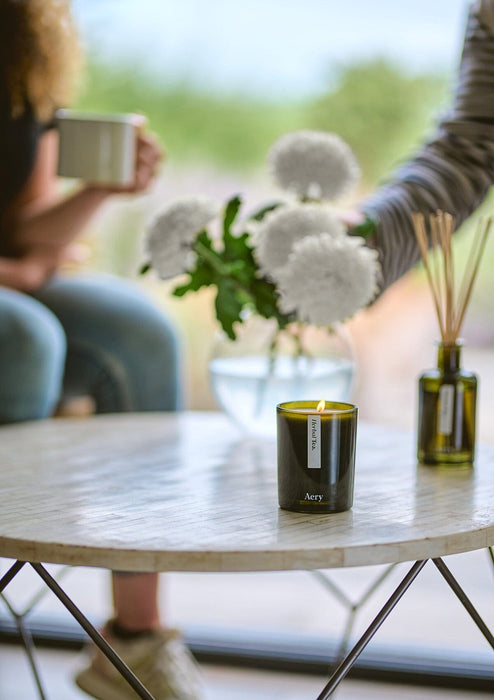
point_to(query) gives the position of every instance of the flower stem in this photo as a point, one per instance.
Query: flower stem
(297, 336)
(264, 381)
(222, 268)
(212, 258)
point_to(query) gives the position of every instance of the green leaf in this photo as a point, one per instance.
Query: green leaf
(200, 276)
(234, 247)
(261, 213)
(242, 272)
(203, 274)
(229, 304)
(204, 239)
(231, 210)
(366, 229)
(233, 270)
(265, 301)
(145, 267)
(237, 249)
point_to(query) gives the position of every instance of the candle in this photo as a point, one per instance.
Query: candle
(316, 455)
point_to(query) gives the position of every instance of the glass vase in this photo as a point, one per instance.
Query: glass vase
(263, 367)
(447, 410)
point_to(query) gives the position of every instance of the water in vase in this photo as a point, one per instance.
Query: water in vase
(249, 388)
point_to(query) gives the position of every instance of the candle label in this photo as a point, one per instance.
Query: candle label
(446, 405)
(314, 442)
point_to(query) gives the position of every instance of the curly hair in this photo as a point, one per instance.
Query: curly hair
(40, 55)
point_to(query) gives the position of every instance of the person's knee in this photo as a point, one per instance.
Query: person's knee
(156, 351)
(32, 345)
(141, 330)
(159, 334)
(152, 357)
(117, 328)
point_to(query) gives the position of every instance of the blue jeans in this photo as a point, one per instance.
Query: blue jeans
(96, 336)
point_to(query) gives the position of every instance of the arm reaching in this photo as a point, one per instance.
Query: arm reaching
(454, 171)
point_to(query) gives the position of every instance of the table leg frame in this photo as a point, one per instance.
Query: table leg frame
(336, 678)
(354, 653)
(464, 600)
(352, 608)
(87, 626)
(28, 644)
(352, 656)
(10, 574)
(25, 636)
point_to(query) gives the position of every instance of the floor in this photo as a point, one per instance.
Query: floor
(220, 683)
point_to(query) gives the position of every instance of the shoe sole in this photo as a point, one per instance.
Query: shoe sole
(102, 689)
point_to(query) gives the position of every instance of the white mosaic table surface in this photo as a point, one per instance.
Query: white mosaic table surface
(185, 492)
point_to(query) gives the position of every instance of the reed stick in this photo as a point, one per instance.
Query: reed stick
(481, 235)
(450, 305)
(420, 233)
(436, 267)
(473, 252)
(445, 231)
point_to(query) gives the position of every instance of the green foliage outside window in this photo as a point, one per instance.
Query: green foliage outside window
(382, 112)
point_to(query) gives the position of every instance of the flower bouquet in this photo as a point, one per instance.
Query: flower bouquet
(291, 262)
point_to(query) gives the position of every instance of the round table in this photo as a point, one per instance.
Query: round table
(185, 492)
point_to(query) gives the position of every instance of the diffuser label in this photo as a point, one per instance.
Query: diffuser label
(314, 442)
(446, 405)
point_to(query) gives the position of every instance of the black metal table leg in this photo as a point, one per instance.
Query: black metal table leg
(24, 634)
(490, 551)
(100, 642)
(464, 599)
(353, 655)
(11, 573)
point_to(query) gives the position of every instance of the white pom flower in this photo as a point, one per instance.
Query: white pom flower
(168, 240)
(328, 278)
(313, 164)
(279, 230)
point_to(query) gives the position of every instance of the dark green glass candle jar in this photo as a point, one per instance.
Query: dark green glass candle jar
(316, 456)
(447, 410)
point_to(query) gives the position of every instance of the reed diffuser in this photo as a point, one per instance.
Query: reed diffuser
(448, 394)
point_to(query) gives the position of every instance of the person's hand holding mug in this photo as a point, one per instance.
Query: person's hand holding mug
(111, 154)
(149, 155)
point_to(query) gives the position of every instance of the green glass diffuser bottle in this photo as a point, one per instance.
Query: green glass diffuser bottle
(447, 410)
(448, 394)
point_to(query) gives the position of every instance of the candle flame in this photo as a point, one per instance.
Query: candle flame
(321, 406)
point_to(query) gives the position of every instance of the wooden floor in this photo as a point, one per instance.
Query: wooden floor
(220, 683)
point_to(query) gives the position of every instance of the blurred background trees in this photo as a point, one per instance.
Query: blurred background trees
(380, 109)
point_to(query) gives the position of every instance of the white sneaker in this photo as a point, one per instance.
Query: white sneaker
(160, 660)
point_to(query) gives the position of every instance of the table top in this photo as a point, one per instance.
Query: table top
(185, 492)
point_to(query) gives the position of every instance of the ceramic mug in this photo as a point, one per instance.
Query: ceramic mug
(100, 149)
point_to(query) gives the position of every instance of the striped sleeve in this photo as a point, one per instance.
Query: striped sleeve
(454, 171)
